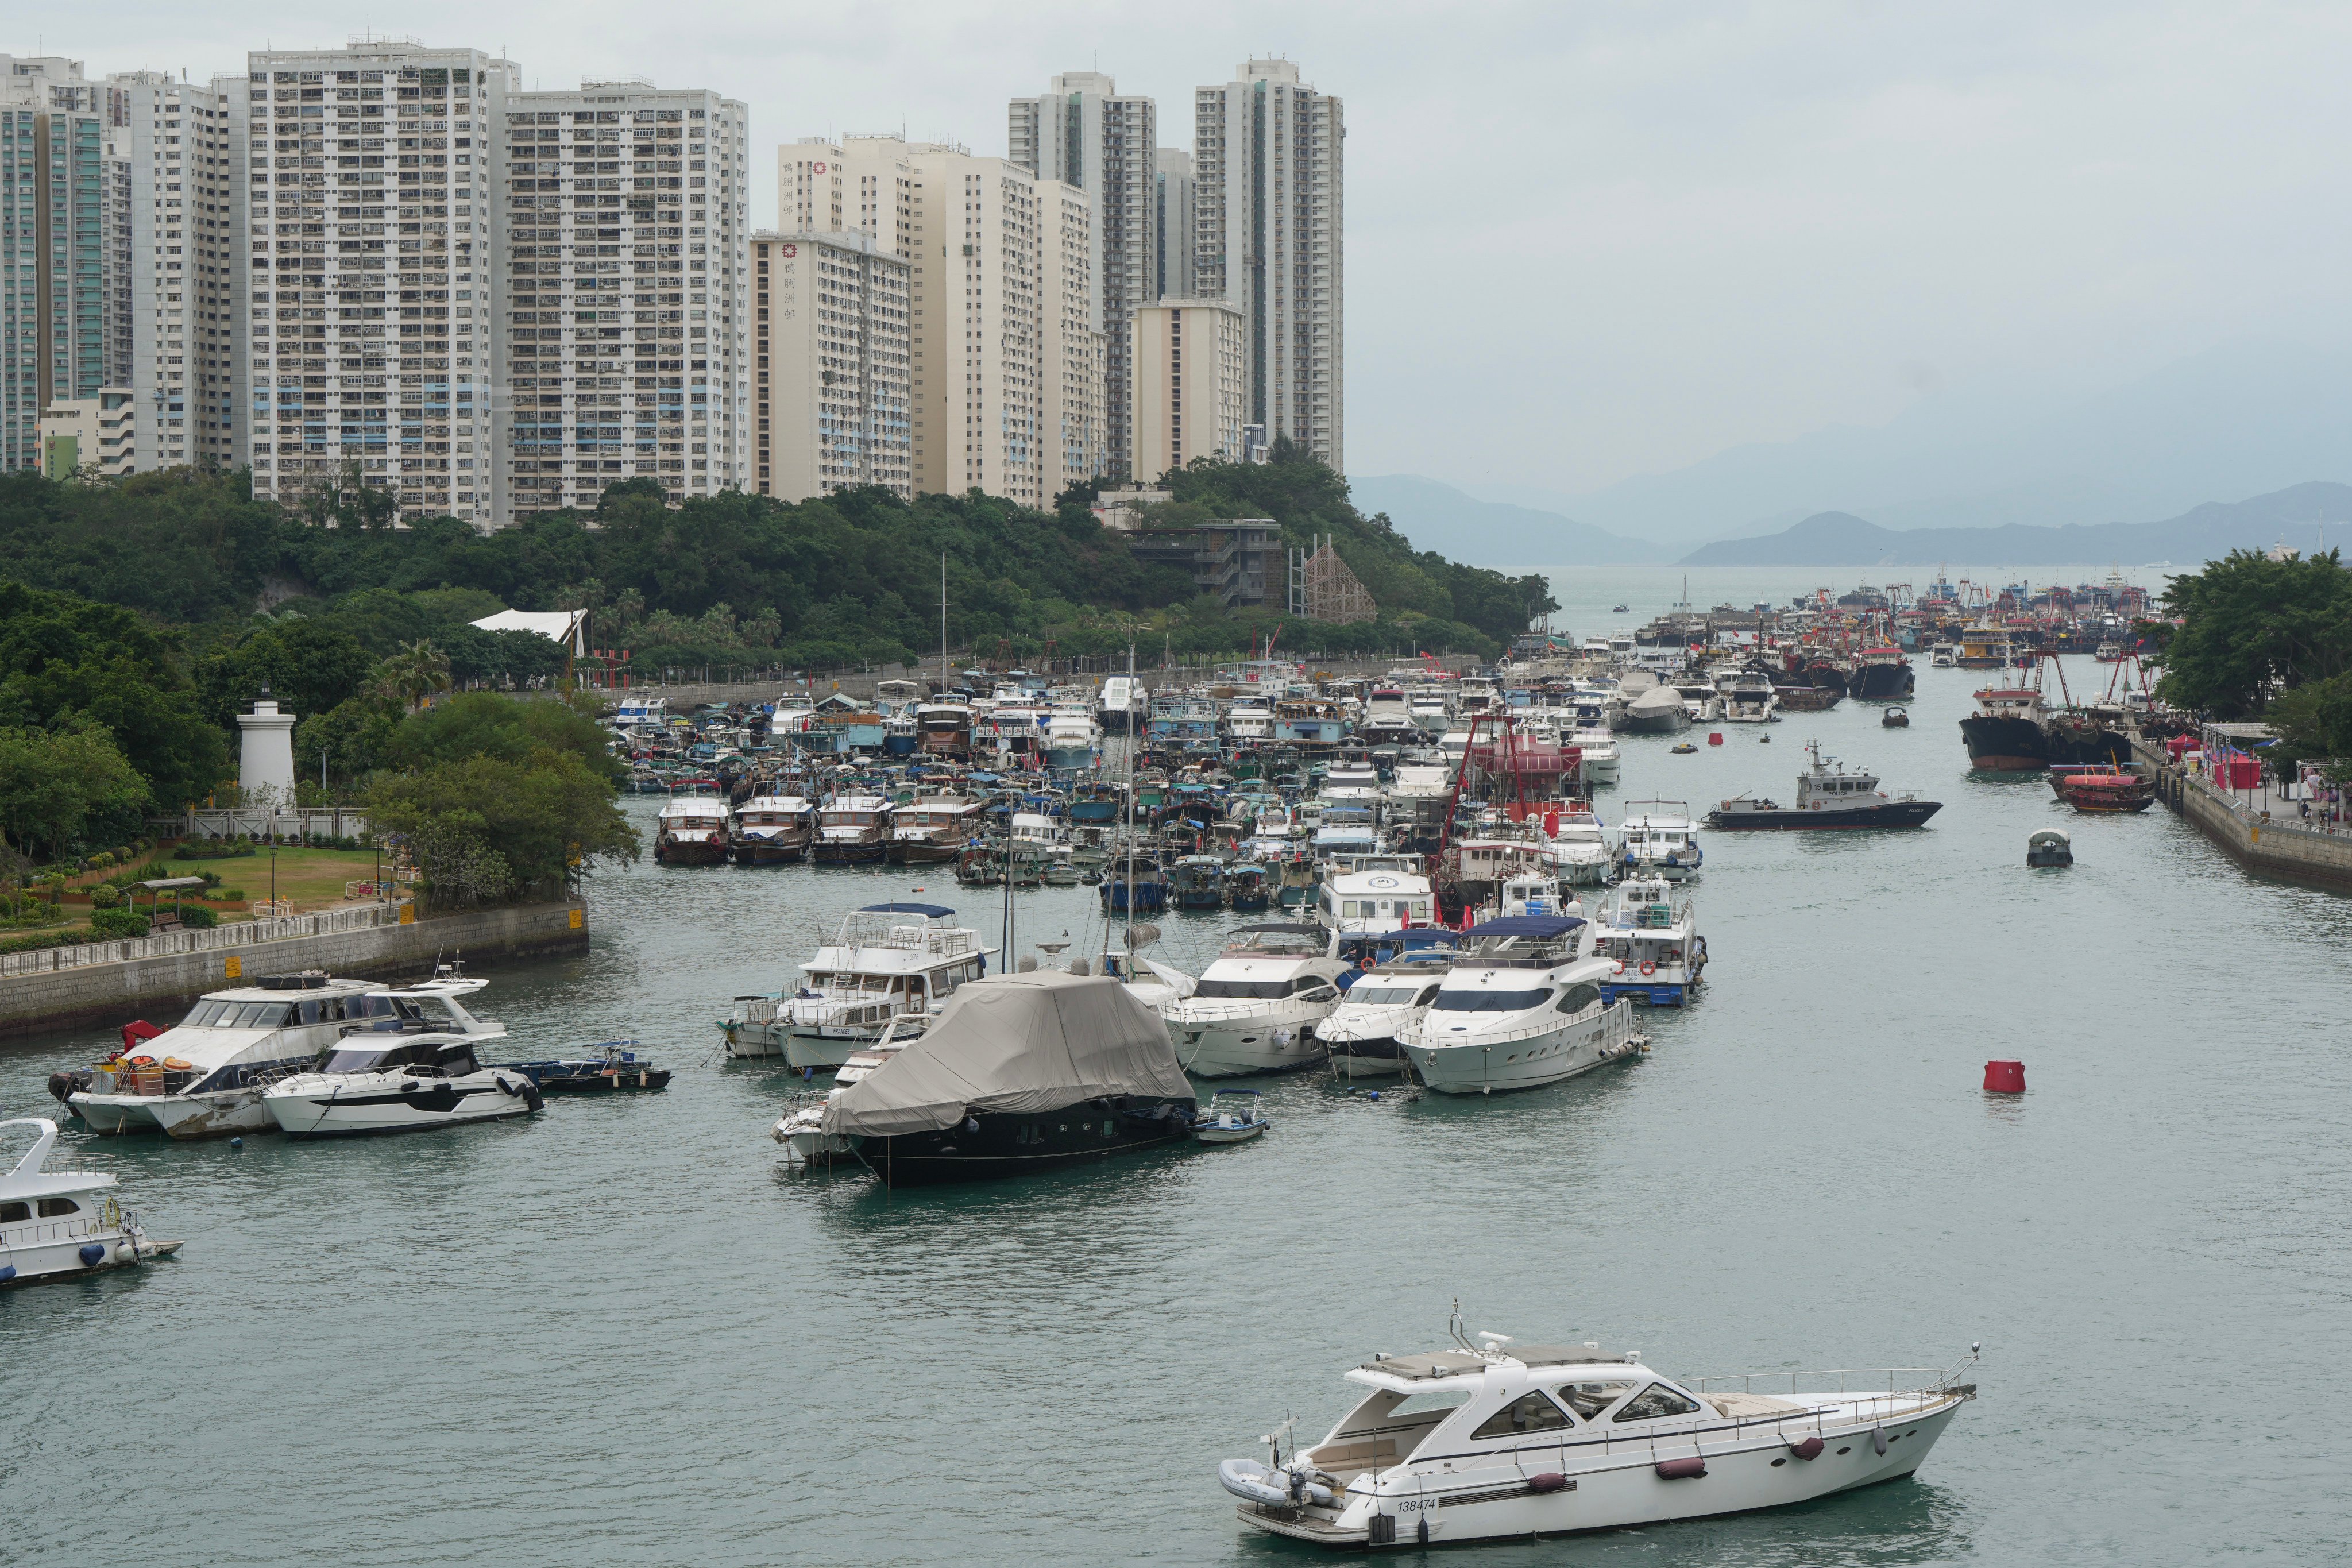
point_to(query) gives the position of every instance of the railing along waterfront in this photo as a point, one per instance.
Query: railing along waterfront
(218, 938)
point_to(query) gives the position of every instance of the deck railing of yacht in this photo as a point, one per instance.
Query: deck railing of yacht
(1843, 1382)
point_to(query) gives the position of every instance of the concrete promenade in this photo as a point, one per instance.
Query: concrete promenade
(114, 982)
(2259, 830)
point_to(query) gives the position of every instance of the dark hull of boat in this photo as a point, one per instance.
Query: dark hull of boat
(666, 854)
(2087, 742)
(2108, 805)
(753, 854)
(922, 852)
(985, 1148)
(1893, 814)
(1881, 683)
(2002, 745)
(849, 854)
(1367, 1058)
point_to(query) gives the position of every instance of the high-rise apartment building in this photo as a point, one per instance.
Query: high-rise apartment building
(1172, 200)
(371, 214)
(1080, 424)
(1267, 232)
(60, 242)
(1007, 368)
(625, 263)
(1192, 382)
(860, 183)
(832, 316)
(1082, 133)
(178, 151)
(486, 301)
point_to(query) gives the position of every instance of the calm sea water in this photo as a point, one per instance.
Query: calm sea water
(618, 1333)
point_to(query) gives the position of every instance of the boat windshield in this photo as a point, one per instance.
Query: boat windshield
(1380, 996)
(1489, 1001)
(1262, 989)
(210, 1014)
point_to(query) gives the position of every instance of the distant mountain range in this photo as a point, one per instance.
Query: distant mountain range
(1436, 516)
(2242, 420)
(2300, 515)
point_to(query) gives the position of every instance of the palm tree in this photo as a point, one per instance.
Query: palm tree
(415, 673)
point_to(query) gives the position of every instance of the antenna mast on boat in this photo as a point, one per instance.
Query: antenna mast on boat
(943, 626)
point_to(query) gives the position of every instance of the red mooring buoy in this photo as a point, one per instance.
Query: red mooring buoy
(1714, 737)
(2004, 1078)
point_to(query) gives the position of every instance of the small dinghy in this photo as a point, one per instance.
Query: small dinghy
(1894, 719)
(1679, 750)
(2049, 847)
(1232, 1116)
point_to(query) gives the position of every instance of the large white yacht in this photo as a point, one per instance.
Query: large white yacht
(60, 1224)
(1256, 1007)
(1523, 1008)
(885, 959)
(1500, 1440)
(203, 1078)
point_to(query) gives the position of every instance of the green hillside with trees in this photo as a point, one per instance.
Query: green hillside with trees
(138, 618)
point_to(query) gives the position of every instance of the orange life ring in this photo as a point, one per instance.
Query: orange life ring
(143, 1061)
(1648, 967)
(1619, 968)
(1365, 962)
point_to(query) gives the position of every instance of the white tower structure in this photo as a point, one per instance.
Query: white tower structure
(265, 768)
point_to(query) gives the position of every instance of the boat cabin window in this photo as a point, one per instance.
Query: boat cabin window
(1577, 998)
(1488, 1001)
(1380, 996)
(1653, 1401)
(10, 1213)
(1529, 1412)
(1259, 990)
(239, 1016)
(1590, 1399)
(58, 1208)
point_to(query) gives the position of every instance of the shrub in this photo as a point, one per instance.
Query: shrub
(118, 923)
(226, 895)
(196, 917)
(212, 880)
(105, 897)
(101, 861)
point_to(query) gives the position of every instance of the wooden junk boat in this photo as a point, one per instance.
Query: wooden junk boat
(2098, 788)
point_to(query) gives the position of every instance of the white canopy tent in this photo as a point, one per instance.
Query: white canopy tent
(567, 627)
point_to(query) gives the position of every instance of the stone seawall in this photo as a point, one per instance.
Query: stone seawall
(2287, 849)
(119, 992)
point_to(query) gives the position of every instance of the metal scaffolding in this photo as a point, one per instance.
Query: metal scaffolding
(1323, 589)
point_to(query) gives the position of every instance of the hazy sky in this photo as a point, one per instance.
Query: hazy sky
(1585, 242)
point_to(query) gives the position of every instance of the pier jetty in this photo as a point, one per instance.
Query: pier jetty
(2249, 826)
(114, 982)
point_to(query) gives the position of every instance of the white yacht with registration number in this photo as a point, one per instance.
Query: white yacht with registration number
(1500, 1440)
(1371, 901)
(59, 1224)
(1523, 1008)
(203, 1078)
(884, 959)
(1255, 1009)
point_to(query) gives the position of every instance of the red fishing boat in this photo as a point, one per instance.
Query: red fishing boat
(2103, 789)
